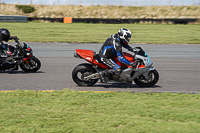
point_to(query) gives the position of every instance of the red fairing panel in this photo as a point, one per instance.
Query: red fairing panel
(85, 53)
(88, 55)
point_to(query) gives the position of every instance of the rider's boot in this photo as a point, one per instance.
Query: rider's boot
(104, 73)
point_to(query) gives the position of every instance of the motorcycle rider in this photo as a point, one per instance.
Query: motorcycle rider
(112, 47)
(5, 36)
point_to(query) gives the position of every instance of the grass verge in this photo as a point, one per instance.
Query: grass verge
(98, 33)
(72, 111)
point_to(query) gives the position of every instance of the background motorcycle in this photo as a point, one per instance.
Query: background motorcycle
(12, 57)
(87, 74)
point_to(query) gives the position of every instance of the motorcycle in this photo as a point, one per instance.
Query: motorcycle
(87, 74)
(11, 58)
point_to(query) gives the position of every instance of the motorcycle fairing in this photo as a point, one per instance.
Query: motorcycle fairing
(147, 60)
(89, 55)
(27, 51)
(86, 54)
(7, 49)
(140, 69)
(26, 47)
(144, 69)
(126, 74)
(25, 59)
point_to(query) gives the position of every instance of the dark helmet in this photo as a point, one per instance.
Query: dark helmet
(4, 35)
(124, 35)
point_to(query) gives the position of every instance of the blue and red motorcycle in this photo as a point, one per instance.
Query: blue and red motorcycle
(87, 74)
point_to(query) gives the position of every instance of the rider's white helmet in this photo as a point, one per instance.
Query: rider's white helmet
(124, 34)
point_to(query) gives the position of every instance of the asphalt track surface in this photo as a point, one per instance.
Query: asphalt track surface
(178, 66)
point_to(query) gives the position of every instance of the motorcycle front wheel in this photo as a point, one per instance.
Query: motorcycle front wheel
(153, 78)
(81, 71)
(32, 65)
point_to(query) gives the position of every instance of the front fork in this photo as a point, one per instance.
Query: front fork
(27, 59)
(147, 72)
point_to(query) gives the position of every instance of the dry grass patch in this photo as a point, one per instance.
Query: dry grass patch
(105, 11)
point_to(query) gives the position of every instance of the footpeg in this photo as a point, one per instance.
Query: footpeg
(92, 76)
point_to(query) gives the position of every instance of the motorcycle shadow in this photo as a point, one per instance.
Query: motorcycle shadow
(123, 85)
(19, 72)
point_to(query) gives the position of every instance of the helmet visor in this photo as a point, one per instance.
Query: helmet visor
(5, 37)
(127, 37)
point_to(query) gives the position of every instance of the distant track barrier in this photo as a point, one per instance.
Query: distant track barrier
(13, 18)
(115, 21)
(97, 20)
(118, 21)
(60, 20)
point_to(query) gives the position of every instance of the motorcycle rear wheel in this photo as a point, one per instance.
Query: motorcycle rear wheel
(153, 78)
(82, 70)
(33, 65)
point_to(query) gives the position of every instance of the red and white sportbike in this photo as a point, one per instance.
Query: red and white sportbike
(87, 74)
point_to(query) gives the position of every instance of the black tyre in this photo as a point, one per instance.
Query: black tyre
(81, 71)
(32, 65)
(153, 78)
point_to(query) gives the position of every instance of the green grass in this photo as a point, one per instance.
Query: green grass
(90, 112)
(89, 33)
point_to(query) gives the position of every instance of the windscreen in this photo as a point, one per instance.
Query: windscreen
(141, 52)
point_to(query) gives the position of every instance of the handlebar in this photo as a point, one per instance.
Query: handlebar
(18, 45)
(16, 39)
(136, 50)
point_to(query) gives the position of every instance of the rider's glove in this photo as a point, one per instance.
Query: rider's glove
(13, 37)
(133, 50)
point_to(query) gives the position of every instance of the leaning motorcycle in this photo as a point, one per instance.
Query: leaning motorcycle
(24, 58)
(87, 74)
